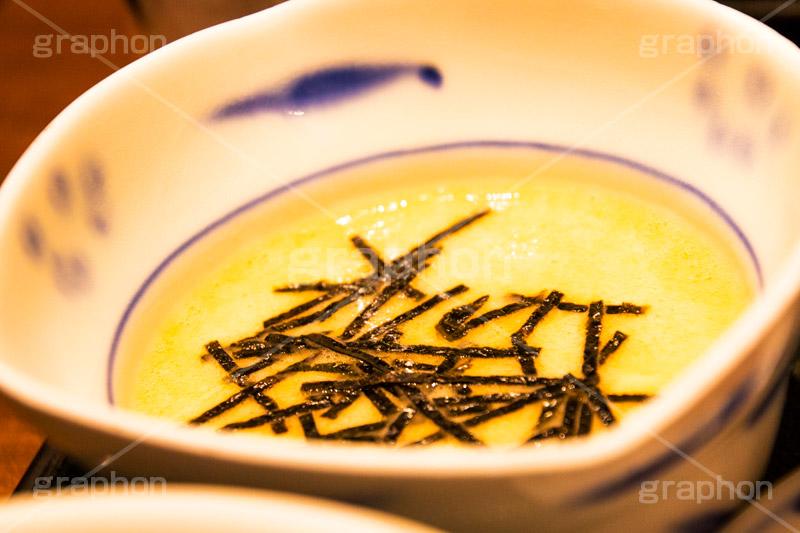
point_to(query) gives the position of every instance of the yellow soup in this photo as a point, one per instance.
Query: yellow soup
(450, 297)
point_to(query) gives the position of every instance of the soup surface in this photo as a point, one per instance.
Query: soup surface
(450, 297)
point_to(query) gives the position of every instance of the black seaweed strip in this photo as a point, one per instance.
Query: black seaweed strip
(591, 349)
(480, 352)
(322, 314)
(413, 313)
(526, 354)
(399, 424)
(340, 406)
(221, 356)
(321, 286)
(626, 308)
(356, 432)
(499, 313)
(279, 426)
(255, 388)
(271, 344)
(560, 432)
(629, 397)
(412, 366)
(549, 410)
(611, 347)
(477, 400)
(265, 361)
(250, 347)
(400, 281)
(378, 264)
(309, 426)
(425, 407)
(430, 439)
(369, 253)
(456, 227)
(336, 346)
(571, 414)
(311, 405)
(585, 419)
(399, 269)
(298, 310)
(460, 410)
(552, 300)
(449, 363)
(450, 325)
(462, 388)
(508, 408)
(381, 402)
(599, 405)
(266, 402)
(234, 400)
(395, 378)
(573, 308)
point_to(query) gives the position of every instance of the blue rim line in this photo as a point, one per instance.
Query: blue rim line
(590, 154)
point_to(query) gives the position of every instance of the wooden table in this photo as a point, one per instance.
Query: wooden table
(32, 92)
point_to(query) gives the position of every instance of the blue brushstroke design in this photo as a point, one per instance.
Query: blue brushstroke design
(328, 86)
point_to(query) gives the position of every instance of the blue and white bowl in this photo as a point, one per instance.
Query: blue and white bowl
(136, 168)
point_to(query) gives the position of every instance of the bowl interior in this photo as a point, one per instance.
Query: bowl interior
(160, 150)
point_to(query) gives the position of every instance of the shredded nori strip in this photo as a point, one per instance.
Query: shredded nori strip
(478, 400)
(430, 439)
(611, 347)
(481, 352)
(526, 354)
(584, 420)
(549, 410)
(450, 362)
(396, 428)
(340, 406)
(552, 300)
(450, 325)
(336, 346)
(506, 409)
(591, 349)
(558, 432)
(402, 378)
(524, 303)
(425, 407)
(600, 407)
(306, 407)
(242, 395)
(379, 400)
(221, 356)
(628, 397)
(413, 313)
(626, 308)
(571, 413)
(318, 286)
(356, 432)
(309, 426)
(573, 308)
(400, 281)
(298, 310)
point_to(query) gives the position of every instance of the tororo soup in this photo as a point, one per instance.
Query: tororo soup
(455, 297)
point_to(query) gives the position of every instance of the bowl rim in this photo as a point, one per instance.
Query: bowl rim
(644, 424)
(192, 502)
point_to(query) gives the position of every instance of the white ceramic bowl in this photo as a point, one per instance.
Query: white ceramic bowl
(199, 508)
(134, 169)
